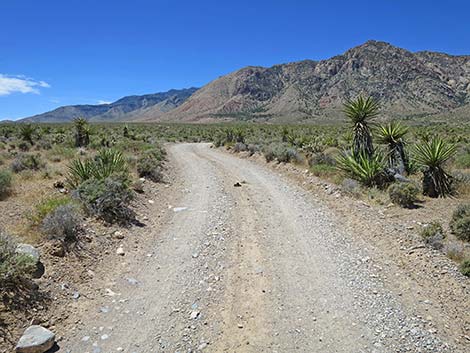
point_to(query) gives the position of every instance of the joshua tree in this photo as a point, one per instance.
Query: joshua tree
(82, 132)
(392, 135)
(431, 156)
(361, 111)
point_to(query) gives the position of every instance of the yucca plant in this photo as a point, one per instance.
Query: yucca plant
(431, 156)
(82, 132)
(108, 162)
(361, 112)
(392, 135)
(368, 170)
(79, 171)
(27, 132)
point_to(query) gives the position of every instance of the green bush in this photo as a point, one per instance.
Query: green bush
(107, 199)
(433, 235)
(403, 194)
(13, 267)
(465, 268)
(5, 182)
(460, 222)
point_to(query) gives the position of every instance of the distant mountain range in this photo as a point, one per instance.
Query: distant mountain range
(409, 86)
(129, 108)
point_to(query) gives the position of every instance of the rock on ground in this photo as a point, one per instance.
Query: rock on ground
(36, 339)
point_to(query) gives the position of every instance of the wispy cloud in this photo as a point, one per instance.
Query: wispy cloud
(104, 102)
(11, 84)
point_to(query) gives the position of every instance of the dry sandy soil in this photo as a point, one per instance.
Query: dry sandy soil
(248, 258)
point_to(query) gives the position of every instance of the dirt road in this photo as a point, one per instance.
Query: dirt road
(260, 267)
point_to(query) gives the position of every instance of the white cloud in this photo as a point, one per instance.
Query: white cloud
(104, 102)
(11, 84)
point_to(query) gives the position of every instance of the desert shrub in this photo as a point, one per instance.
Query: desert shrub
(454, 251)
(465, 268)
(107, 199)
(24, 146)
(460, 222)
(403, 194)
(13, 267)
(240, 147)
(5, 182)
(47, 206)
(150, 167)
(351, 186)
(323, 170)
(27, 162)
(433, 235)
(281, 153)
(321, 158)
(63, 223)
(463, 160)
(252, 148)
(462, 182)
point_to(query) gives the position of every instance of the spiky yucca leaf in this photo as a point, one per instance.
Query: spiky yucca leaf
(369, 171)
(106, 163)
(361, 109)
(391, 133)
(79, 172)
(434, 153)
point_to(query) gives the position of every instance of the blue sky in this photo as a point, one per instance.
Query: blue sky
(64, 52)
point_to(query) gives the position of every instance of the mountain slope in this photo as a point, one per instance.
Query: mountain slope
(124, 109)
(408, 84)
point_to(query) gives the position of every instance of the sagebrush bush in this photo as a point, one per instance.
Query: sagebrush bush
(27, 162)
(107, 199)
(403, 194)
(5, 182)
(465, 268)
(148, 166)
(321, 158)
(240, 147)
(460, 222)
(351, 187)
(281, 153)
(433, 235)
(13, 267)
(63, 223)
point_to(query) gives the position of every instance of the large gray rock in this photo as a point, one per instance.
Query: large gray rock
(36, 339)
(26, 249)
